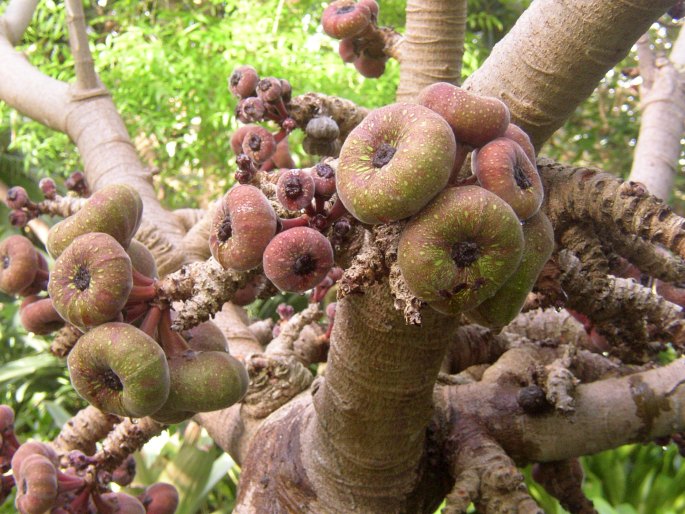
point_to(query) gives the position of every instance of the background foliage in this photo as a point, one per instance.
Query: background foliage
(166, 63)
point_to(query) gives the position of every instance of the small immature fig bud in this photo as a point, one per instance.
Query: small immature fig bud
(18, 218)
(243, 81)
(346, 49)
(297, 259)
(238, 136)
(250, 110)
(19, 263)
(345, 18)
(259, 144)
(269, 89)
(48, 187)
(394, 162)
(369, 67)
(39, 316)
(77, 183)
(242, 226)
(285, 311)
(516, 133)
(160, 498)
(91, 280)
(323, 127)
(324, 180)
(17, 197)
(119, 369)
(295, 189)
(124, 474)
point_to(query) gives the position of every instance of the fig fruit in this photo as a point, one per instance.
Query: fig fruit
(243, 81)
(394, 162)
(160, 498)
(243, 225)
(19, 263)
(345, 18)
(499, 310)
(474, 119)
(369, 67)
(91, 280)
(516, 133)
(206, 337)
(37, 487)
(460, 249)
(259, 144)
(297, 259)
(119, 369)
(39, 316)
(502, 167)
(141, 259)
(115, 210)
(295, 189)
(324, 180)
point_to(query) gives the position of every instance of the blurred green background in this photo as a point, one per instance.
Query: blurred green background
(166, 64)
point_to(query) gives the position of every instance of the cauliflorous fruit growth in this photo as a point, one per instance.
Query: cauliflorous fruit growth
(243, 225)
(206, 337)
(119, 369)
(19, 263)
(460, 249)
(39, 316)
(259, 144)
(115, 210)
(295, 189)
(370, 67)
(516, 133)
(503, 168)
(91, 280)
(160, 498)
(119, 503)
(141, 259)
(475, 119)
(37, 487)
(345, 18)
(297, 259)
(394, 162)
(324, 180)
(500, 309)
(243, 81)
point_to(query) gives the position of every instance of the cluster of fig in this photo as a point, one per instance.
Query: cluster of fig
(475, 244)
(355, 24)
(47, 483)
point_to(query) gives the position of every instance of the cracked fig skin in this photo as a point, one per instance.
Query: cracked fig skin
(394, 162)
(460, 249)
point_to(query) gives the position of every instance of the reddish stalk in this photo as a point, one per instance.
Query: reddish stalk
(287, 223)
(141, 280)
(142, 294)
(151, 320)
(337, 211)
(172, 342)
(134, 311)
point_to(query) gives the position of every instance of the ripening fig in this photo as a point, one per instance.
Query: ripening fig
(460, 249)
(503, 168)
(270, 89)
(238, 136)
(243, 81)
(474, 119)
(369, 67)
(345, 18)
(250, 110)
(346, 49)
(119, 503)
(37, 488)
(40, 281)
(115, 210)
(242, 226)
(119, 369)
(160, 498)
(91, 280)
(324, 180)
(205, 381)
(394, 162)
(19, 263)
(39, 316)
(259, 144)
(516, 133)
(125, 472)
(295, 189)
(282, 158)
(206, 337)
(500, 309)
(30, 448)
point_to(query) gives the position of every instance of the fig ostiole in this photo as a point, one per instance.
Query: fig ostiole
(394, 162)
(91, 280)
(501, 308)
(119, 369)
(460, 249)
(345, 18)
(116, 210)
(295, 189)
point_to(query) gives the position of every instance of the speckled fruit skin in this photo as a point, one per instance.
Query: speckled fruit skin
(460, 216)
(290, 247)
(141, 259)
(345, 18)
(252, 225)
(39, 316)
(108, 267)
(19, 262)
(499, 310)
(500, 166)
(475, 119)
(115, 210)
(418, 170)
(160, 498)
(516, 133)
(205, 381)
(206, 337)
(130, 354)
(295, 189)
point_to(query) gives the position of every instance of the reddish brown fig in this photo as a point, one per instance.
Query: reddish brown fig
(119, 369)
(39, 316)
(345, 18)
(30, 448)
(243, 225)
(503, 168)
(119, 503)
(36, 485)
(91, 280)
(238, 137)
(282, 158)
(19, 263)
(160, 498)
(475, 119)
(206, 337)
(460, 249)
(369, 67)
(115, 210)
(347, 49)
(259, 144)
(298, 259)
(394, 162)
(243, 81)
(248, 294)
(500, 309)
(250, 110)
(516, 133)
(270, 89)
(324, 180)
(295, 189)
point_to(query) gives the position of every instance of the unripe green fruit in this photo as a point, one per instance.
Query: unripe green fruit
(460, 249)
(500, 309)
(115, 210)
(392, 163)
(120, 369)
(91, 280)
